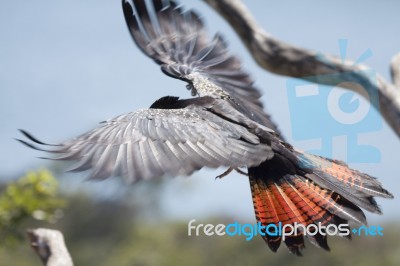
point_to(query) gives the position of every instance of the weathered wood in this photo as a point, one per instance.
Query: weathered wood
(50, 247)
(281, 58)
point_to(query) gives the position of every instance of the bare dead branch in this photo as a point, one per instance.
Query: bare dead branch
(395, 70)
(285, 59)
(50, 247)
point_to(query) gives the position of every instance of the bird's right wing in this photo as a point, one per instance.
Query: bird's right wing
(177, 40)
(155, 142)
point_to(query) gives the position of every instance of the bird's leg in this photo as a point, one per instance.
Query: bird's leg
(227, 172)
(241, 172)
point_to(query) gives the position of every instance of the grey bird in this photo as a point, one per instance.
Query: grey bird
(223, 125)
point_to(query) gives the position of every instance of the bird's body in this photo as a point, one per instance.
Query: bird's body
(223, 125)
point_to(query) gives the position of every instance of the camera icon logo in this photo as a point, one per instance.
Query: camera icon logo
(327, 113)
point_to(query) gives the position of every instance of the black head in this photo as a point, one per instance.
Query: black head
(166, 102)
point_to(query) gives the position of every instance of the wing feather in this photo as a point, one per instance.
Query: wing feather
(178, 41)
(156, 142)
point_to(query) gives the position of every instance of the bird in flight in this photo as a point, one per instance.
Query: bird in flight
(224, 124)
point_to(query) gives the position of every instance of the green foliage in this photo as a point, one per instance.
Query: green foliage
(33, 196)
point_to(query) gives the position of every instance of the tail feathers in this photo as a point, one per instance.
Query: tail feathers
(295, 199)
(320, 200)
(353, 185)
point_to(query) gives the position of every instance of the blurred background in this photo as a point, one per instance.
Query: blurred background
(67, 65)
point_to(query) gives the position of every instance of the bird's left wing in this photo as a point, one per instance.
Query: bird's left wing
(177, 40)
(150, 143)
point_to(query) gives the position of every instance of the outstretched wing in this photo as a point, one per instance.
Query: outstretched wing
(155, 142)
(177, 40)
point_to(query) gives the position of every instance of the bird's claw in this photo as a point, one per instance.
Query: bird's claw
(227, 172)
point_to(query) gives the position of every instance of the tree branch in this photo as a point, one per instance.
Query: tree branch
(395, 70)
(50, 247)
(285, 59)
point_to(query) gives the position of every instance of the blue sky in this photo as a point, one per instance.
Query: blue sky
(67, 65)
